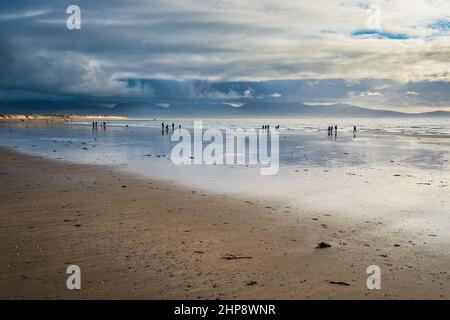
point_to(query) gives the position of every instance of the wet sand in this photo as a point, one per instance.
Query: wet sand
(140, 239)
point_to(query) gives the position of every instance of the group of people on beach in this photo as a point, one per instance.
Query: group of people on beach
(95, 125)
(330, 130)
(334, 129)
(267, 127)
(165, 127)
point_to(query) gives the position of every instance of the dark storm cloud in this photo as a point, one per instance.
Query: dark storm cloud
(222, 41)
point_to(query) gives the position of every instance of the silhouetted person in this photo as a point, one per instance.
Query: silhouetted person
(354, 129)
(173, 126)
(179, 127)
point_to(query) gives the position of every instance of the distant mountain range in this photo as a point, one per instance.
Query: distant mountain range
(202, 108)
(148, 98)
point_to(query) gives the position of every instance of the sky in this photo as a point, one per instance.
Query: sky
(390, 54)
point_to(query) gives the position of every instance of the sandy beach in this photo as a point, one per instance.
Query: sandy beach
(225, 150)
(136, 238)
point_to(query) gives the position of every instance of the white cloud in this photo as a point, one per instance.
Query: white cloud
(369, 94)
(222, 40)
(234, 104)
(248, 93)
(23, 15)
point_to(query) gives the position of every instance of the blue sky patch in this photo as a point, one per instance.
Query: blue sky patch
(378, 34)
(440, 25)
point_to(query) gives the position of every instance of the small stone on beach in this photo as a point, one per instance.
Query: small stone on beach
(323, 245)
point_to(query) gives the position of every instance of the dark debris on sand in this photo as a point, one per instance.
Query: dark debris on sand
(235, 257)
(340, 283)
(323, 245)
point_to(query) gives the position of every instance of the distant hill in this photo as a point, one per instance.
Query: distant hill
(257, 109)
(437, 114)
(150, 98)
(205, 108)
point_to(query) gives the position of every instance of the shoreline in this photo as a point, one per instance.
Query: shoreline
(135, 238)
(40, 117)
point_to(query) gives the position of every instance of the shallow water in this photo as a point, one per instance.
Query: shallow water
(431, 126)
(302, 143)
(141, 148)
